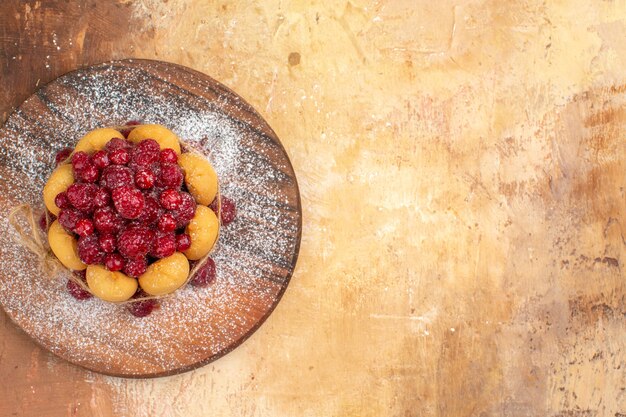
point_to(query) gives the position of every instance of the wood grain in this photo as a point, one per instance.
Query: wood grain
(255, 269)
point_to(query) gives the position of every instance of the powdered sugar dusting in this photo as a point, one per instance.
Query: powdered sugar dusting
(255, 255)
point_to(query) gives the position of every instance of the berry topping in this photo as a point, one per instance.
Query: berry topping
(62, 155)
(164, 245)
(146, 152)
(117, 143)
(106, 220)
(80, 160)
(102, 198)
(115, 176)
(119, 156)
(77, 291)
(81, 196)
(142, 308)
(183, 241)
(185, 211)
(167, 223)
(144, 178)
(89, 250)
(107, 242)
(128, 201)
(100, 159)
(114, 262)
(171, 176)
(168, 156)
(152, 211)
(89, 174)
(135, 267)
(84, 227)
(126, 132)
(135, 241)
(69, 217)
(229, 211)
(62, 201)
(205, 275)
(170, 199)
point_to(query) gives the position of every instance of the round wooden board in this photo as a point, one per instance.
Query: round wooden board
(255, 256)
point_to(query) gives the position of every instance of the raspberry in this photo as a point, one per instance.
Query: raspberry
(164, 245)
(168, 156)
(117, 143)
(82, 275)
(142, 308)
(126, 132)
(43, 222)
(69, 217)
(89, 174)
(171, 176)
(119, 156)
(102, 198)
(77, 291)
(135, 241)
(186, 210)
(62, 201)
(80, 160)
(170, 199)
(229, 211)
(107, 242)
(114, 262)
(152, 211)
(62, 155)
(135, 267)
(89, 250)
(183, 242)
(167, 223)
(205, 275)
(115, 176)
(81, 196)
(84, 227)
(100, 159)
(144, 178)
(106, 220)
(146, 152)
(128, 201)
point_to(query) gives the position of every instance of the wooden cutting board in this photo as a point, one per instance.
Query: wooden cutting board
(255, 256)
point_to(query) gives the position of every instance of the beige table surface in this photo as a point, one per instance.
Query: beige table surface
(462, 169)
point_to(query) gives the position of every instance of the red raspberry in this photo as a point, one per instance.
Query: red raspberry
(135, 241)
(164, 245)
(106, 220)
(107, 242)
(69, 217)
(152, 211)
(77, 291)
(81, 196)
(62, 201)
(89, 174)
(128, 201)
(43, 222)
(168, 156)
(114, 262)
(135, 267)
(102, 198)
(229, 211)
(170, 199)
(117, 143)
(186, 210)
(142, 308)
(89, 250)
(146, 152)
(100, 159)
(167, 223)
(82, 275)
(62, 155)
(171, 176)
(115, 176)
(84, 227)
(144, 178)
(119, 156)
(126, 132)
(183, 242)
(80, 160)
(205, 275)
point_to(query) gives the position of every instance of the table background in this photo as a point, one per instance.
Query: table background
(462, 168)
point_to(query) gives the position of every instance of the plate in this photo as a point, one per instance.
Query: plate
(255, 256)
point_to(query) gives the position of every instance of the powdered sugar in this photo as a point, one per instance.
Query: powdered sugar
(255, 254)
